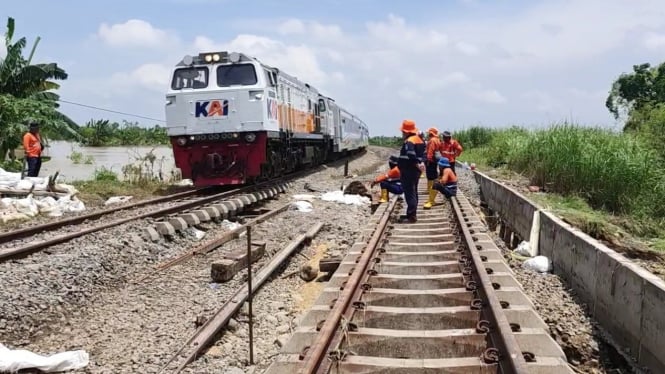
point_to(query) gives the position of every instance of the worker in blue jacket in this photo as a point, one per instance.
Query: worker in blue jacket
(411, 166)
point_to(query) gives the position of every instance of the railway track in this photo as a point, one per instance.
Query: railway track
(13, 247)
(430, 297)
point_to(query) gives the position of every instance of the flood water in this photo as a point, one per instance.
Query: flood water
(113, 158)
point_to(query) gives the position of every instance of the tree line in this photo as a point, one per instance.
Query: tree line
(104, 133)
(28, 92)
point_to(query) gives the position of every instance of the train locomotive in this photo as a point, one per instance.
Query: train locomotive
(234, 120)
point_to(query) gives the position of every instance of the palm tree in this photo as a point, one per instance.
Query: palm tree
(26, 92)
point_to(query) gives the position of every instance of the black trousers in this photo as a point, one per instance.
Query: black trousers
(34, 164)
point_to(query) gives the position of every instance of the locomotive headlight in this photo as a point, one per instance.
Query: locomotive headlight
(215, 57)
(208, 58)
(181, 141)
(250, 137)
(235, 134)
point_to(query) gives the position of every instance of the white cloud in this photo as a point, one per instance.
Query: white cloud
(292, 26)
(134, 33)
(654, 41)
(542, 61)
(490, 96)
(467, 48)
(154, 77)
(298, 60)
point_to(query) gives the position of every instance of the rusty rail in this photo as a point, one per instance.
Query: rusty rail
(206, 333)
(50, 226)
(316, 353)
(215, 243)
(511, 359)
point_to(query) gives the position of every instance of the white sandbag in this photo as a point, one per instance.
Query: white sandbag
(66, 188)
(26, 206)
(12, 216)
(523, 249)
(40, 186)
(302, 206)
(340, 197)
(230, 225)
(24, 185)
(15, 360)
(198, 234)
(7, 203)
(117, 200)
(540, 264)
(72, 206)
(304, 197)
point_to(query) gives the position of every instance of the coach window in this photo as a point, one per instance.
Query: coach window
(236, 75)
(190, 78)
(322, 105)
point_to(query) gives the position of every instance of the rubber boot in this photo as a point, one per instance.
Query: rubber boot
(384, 196)
(432, 195)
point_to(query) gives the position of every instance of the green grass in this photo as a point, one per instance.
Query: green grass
(615, 172)
(608, 184)
(476, 156)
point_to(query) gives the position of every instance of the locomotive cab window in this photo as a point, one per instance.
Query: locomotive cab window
(190, 78)
(236, 75)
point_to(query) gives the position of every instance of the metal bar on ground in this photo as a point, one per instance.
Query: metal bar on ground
(215, 243)
(250, 295)
(206, 333)
(317, 352)
(505, 339)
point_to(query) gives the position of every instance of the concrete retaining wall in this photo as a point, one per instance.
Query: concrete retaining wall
(627, 301)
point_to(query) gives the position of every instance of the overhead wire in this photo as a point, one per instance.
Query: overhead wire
(110, 110)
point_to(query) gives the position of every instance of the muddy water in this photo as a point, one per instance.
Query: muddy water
(113, 158)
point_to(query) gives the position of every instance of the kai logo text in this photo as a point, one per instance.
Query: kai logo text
(211, 108)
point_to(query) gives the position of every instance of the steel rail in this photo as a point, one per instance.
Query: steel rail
(17, 252)
(315, 354)
(206, 333)
(50, 226)
(511, 359)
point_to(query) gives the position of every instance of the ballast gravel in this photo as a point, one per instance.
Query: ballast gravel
(567, 317)
(84, 294)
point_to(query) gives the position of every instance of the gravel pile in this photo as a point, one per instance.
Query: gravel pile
(80, 295)
(568, 319)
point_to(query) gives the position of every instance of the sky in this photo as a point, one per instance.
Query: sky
(451, 64)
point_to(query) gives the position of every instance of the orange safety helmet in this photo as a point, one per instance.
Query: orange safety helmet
(409, 126)
(433, 131)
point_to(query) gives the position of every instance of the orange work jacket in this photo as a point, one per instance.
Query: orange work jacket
(32, 145)
(451, 150)
(433, 144)
(393, 174)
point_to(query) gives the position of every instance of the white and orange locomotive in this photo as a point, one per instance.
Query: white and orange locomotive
(234, 120)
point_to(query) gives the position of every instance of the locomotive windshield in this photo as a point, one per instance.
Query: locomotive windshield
(236, 75)
(190, 78)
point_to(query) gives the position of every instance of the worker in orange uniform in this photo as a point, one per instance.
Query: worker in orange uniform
(32, 145)
(389, 181)
(447, 185)
(411, 165)
(432, 155)
(451, 149)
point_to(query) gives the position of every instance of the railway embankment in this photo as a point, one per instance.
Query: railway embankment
(624, 298)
